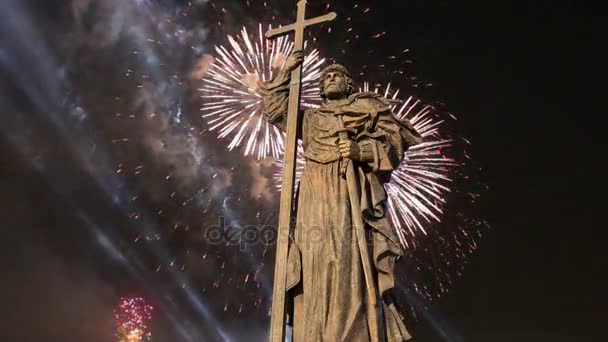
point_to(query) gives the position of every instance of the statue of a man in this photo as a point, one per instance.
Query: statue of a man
(325, 281)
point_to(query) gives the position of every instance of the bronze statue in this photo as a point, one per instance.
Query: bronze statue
(341, 256)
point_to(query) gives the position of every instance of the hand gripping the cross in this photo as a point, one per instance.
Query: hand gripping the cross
(349, 149)
(293, 61)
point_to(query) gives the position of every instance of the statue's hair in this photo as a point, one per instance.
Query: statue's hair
(337, 68)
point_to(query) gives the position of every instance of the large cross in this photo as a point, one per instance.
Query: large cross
(286, 212)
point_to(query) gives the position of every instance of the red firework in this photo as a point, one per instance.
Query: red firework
(132, 315)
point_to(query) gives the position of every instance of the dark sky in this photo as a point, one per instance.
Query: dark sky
(524, 76)
(527, 76)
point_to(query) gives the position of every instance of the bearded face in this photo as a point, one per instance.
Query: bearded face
(335, 85)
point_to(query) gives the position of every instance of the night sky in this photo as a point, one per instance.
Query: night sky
(524, 77)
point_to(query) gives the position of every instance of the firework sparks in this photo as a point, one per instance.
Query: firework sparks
(418, 187)
(232, 100)
(132, 315)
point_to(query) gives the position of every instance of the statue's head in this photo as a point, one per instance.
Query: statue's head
(335, 83)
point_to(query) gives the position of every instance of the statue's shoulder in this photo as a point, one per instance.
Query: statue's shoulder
(374, 101)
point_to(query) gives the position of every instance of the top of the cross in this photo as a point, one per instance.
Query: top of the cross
(301, 23)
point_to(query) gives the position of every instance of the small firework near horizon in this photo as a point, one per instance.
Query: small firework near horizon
(132, 315)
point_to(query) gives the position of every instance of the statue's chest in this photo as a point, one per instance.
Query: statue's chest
(321, 123)
(324, 124)
(321, 135)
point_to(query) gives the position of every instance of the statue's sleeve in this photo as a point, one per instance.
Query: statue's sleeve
(384, 142)
(275, 96)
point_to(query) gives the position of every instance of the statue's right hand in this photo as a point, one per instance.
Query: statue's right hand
(293, 61)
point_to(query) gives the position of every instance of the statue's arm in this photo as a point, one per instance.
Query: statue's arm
(275, 97)
(275, 93)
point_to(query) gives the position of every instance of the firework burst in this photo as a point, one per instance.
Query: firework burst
(232, 100)
(418, 187)
(132, 315)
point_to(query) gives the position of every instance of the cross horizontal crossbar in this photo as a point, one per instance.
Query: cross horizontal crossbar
(283, 30)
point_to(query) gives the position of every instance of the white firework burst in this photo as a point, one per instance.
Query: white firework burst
(418, 187)
(232, 100)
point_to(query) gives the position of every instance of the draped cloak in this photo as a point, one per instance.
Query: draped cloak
(325, 280)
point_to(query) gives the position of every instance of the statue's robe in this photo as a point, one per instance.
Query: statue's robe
(325, 280)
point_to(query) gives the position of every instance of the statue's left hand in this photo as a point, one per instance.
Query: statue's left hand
(349, 149)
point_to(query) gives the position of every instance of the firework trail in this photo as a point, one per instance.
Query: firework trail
(232, 100)
(132, 315)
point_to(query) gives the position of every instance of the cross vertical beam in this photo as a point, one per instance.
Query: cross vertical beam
(286, 211)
